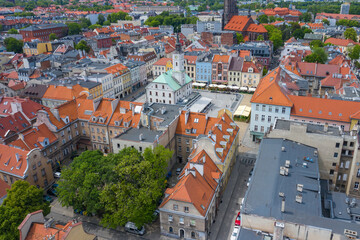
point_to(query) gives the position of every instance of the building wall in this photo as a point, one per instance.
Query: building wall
(249, 79)
(235, 78)
(160, 93)
(268, 113)
(203, 72)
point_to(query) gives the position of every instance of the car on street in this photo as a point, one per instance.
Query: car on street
(47, 198)
(178, 171)
(238, 219)
(235, 233)
(52, 190)
(248, 183)
(57, 174)
(251, 172)
(131, 228)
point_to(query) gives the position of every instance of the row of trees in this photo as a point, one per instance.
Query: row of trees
(348, 23)
(118, 187)
(268, 19)
(166, 19)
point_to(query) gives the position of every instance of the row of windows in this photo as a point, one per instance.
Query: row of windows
(159, 101)
(156, 94)
(270, 108)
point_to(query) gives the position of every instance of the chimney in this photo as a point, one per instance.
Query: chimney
(141, 137)
(283, 204)
(326, 127)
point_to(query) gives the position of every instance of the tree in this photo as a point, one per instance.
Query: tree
(13, 45)
(270, 5)
(354, 52)
(85, 22)
(13, 31)
(74, 28)
(305, 17)
(128, 18)
(140, 185)
(275, 35)
(21, 200)
(239, 38)
(101, 19)
(298, 34)
(350, 33)
(92, 27)
(52, 36)
(316, 43)
(263, 19)
(82, 45)
(326, 22)
(260, 38)
(265, 71)
(107, 23)
(318, 55)
(121, 187)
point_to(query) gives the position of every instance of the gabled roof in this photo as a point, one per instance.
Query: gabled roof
(27, 106)
(322, 108)
(162, 61)
(13, 124)
(221, 58)
(268, 91)
(341, 42)
(35, 138)
(126, 112)
(64, 93)
(13, 160)
(237, 23)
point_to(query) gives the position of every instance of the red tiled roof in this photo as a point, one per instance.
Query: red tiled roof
(268, 91)
(237, 23)
(341, 42)
(13, 160)
(162, 61)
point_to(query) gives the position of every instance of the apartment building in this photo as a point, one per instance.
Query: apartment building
(122, 79)
(220, 68)
(31, 166)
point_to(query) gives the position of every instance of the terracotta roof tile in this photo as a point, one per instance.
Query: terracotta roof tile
(13, 160)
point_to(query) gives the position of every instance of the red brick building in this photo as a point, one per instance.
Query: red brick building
(221, 37)
(43, 31)
(246, 26)
(103, 41)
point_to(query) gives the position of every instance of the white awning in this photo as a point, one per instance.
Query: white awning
(252, 89)
(234, 87)
(243, 88)
(242, 110)
(222, 86)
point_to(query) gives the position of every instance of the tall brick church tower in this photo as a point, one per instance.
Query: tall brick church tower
(230, 10)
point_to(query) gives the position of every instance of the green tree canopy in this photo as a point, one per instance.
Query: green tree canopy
(354, 52)
(82, 45)
(318, 55)
(13, 45)
(74, 28)
(326, 22)
(13, 31)
(305, 17)
(85, 22)
(92, 27)
(239, 38)
(316, 43)
(174, 20)
(21, 200)
(118, 187)
(52, 36)
(101, 20)
(260, 38)
(350, 33)
(275, 35)
(263, 19)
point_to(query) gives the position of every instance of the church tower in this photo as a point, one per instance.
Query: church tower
(230, 10)
(178, 63)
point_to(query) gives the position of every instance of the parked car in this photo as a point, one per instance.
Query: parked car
(52, 190)
(131, 228)
(238, 220)
(251, 172)
(235, 233)
(178, 171)
(57, 174)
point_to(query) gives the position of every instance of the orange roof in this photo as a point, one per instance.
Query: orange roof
(341, 42)
(256, 28)
(248, 64)
(35, 138)
(125, 113)
(64, 93)
(163, 61)
(117, 68)
(221, 58)
(13, 160)
(268, 91)
(197, 183)
(190, 59)
(244, 53)
(322, 108)
(237, 23)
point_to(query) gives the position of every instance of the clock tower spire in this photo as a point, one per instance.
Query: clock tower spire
(178, 63)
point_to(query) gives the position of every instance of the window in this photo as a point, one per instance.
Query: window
(75, 125)
(256, 128)
(269, 118)
(175, 207)
(351, 144)
(262, 129)
(356, 186)
(263, 108)
(256, 117)
(257, 107)
(276, 110)
(170, 218)
(331, 171)
(334, 164)
(270, 108)
(337, 145)
(171, 230)
(283, 110)
(34, 166)
(179, 140)
(262, 118)
(345, 143)
(186, 209)
(35, 178)
(92, 129)
(43, 173)
(193, 234)
(5, 178)
(181, 220)
(192, 222)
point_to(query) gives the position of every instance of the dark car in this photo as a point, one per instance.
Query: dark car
(47, 198)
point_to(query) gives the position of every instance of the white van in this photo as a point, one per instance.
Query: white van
(131, 228)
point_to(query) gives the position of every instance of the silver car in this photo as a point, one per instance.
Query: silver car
(131, 228)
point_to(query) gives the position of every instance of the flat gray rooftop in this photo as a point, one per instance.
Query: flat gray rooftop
(167, 112)
(311, 128)
(133, 134)
(262, 197)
